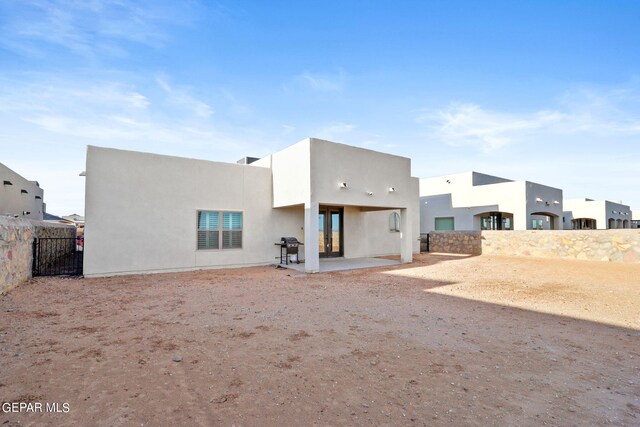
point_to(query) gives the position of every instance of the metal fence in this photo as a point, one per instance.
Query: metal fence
(57, 256)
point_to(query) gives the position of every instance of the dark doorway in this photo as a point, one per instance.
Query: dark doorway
(331, 236)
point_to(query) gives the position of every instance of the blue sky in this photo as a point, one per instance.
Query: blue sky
(547, 91)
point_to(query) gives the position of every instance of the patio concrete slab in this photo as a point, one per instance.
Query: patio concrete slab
(341, 264)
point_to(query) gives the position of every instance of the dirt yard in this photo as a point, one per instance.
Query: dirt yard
(444, 341)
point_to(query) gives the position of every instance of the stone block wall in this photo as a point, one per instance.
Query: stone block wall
(52, 229)
(16, 247)
(621, 245)
(455, 242)
(596, 245)
(16, 251)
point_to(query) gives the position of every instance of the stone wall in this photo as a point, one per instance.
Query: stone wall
(596, 245)
(16, 251)
(53, 229)
(455, 242)
(16, 247)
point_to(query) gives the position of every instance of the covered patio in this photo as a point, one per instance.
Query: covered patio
(328, 265)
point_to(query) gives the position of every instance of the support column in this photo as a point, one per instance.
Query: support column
(406, 239)
(311, 254)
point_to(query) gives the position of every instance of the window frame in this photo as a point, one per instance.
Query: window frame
(453, 223)
(220, 230)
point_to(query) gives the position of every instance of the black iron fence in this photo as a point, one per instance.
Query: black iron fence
(57, 256)
(424, 243)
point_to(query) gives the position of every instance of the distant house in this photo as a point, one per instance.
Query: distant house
(20, 197)
(635, 219)
(75, 218)
(152, 213)
(47, 217)
(476, 201)
(588, 214)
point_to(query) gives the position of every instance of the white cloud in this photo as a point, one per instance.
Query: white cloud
(578, 113)
(182, 97)
(89, 27)
(318, 82)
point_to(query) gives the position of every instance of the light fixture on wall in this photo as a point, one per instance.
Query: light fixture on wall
(538, 199)
(25, 212)
(392, 189)
(7, 183)
(23, 191)
(38, 197)
(448, 181)
(555, 202)
(344, 185)
(369, 193)
(83, 173)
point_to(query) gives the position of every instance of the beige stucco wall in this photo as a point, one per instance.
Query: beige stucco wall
(13, 201)
(141, 209)
(595, 245)
(141, 212)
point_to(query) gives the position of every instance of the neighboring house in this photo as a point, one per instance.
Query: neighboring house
(47, 217)
(588, 214)
(476, 201)
(20, 197)
(635, 219)
(77, 220)
(152, 213)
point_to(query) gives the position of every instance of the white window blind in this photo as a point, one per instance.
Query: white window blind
(219, 230)
(231, 230)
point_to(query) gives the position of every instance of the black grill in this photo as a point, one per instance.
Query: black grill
(289, 246)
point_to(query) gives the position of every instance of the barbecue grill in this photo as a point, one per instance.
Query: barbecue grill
(289, 246)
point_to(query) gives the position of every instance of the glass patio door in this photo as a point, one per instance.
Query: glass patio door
(330, 233)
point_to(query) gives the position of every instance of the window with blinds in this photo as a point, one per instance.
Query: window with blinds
(231, 230)
(219, 230)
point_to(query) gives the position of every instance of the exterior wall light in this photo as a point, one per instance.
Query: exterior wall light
(23, 191)
(448, 181)
(7, 183)
(369, 193)
(25, 212)
(343, 185)
(555, 202)
(538, 199)
(392, 189)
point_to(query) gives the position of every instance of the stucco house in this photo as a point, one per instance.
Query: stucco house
(20, 197)
(589, 214)
(152, 213)
(635, 219)
(476, 201)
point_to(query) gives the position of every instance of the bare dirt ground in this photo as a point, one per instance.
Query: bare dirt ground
(444, 341)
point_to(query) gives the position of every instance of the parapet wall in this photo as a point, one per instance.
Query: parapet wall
(16, 247)
(597, 245)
